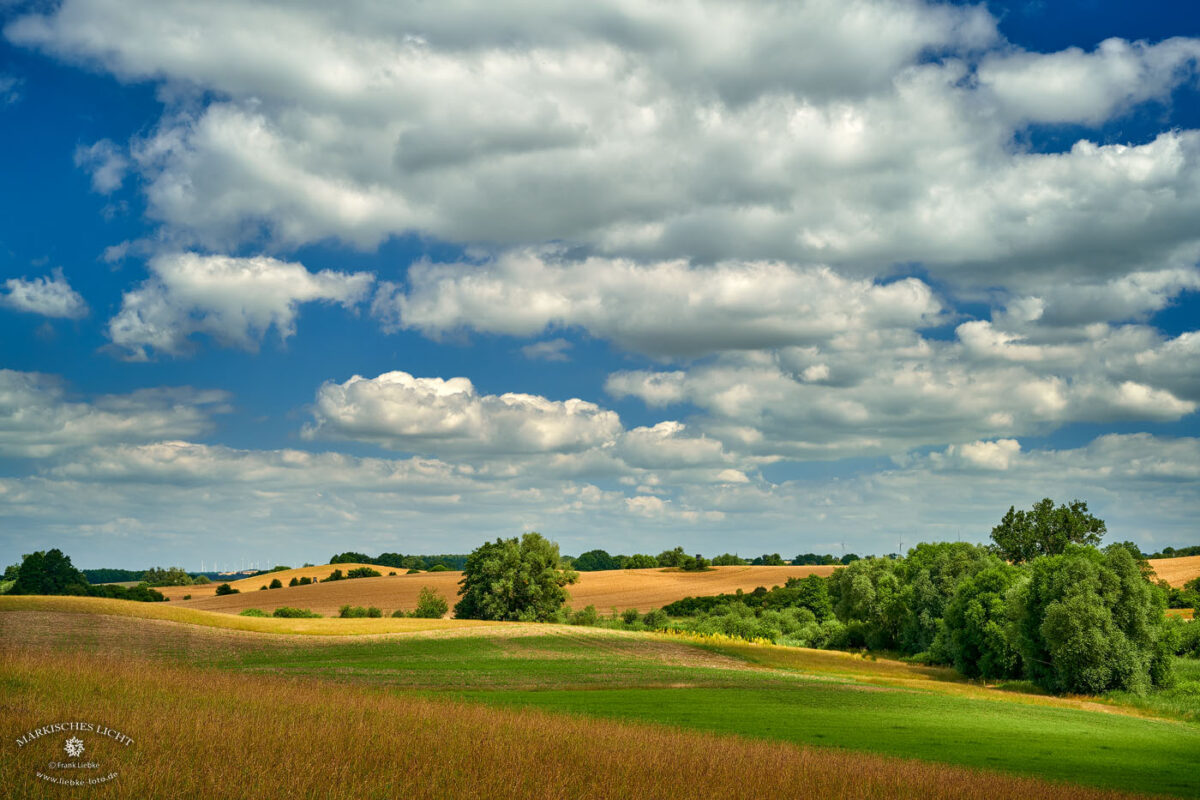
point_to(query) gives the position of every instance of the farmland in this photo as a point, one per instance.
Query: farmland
(642, 589)
(1176, 571)
(547, 686)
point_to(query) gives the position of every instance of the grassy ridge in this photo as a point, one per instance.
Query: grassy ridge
(211, 619)
(275, 738)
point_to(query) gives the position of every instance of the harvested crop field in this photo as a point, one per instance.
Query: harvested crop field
(642, 589)
(1176, 571)
(251, 584)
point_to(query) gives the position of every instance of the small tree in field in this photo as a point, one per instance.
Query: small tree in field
(430, 605)
(225, 588)
(512, 579)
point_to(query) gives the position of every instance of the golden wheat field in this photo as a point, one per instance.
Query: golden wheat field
(642, 589)
(199, 733)
(1176, 571)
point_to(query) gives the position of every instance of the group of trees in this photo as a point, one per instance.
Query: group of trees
(1043, 603)
(51, 572)
(451, 561)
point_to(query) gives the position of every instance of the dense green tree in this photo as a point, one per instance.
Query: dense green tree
(696, 563)
(363, 572)
(638, 561)
(275, 584)
(1045, 530)
(672, 558)
(932, 572)
(169, 576)
(729, 560)
(225, 589)
(512, 579)
(593, 561)
(1088, 621)
(870, 593)
(48, 572)
(350, 557)
(973, 635)
(768, 560)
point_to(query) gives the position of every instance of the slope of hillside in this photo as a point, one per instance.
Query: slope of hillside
(251, 584)
(642, 589)
(1177, 571)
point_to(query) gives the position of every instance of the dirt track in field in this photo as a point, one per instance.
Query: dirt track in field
(642, 589)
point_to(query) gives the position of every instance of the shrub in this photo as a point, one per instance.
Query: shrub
(655, 619)
(439, 568)
(587, 616)
(363, 572)
(200, 580)
(412, 571)
(630, 616)
(336, 575)
(430, 605)
(294, 613)
(225, 588)
(391, 573)
(262, 588)
(399, 612)
(276, 584)
(294, 582)
(252, 612)
(187, 597)
(352, 612)
(305, 581)
(374, 613)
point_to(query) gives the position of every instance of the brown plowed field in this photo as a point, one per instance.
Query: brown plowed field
(642, 589)
(1177, 571)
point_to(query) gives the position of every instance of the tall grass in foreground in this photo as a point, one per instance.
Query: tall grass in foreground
(209, 734)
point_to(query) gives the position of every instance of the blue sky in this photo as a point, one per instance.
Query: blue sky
(276, 283)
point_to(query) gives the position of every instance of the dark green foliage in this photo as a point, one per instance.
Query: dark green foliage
(1045, 530)
(1089, 622)
(594, 561)
(439, 568)
(973, 636)
(512, 579)
(252, 612)
(225, 589)
(141, 594)
(275, 584)
(672, 558)
(359, 612)
(374, 613)
(850, 558)
(931, 573)
(430, 604)
(413, 571)
(305, 581)
(630, 616)
(48, 572)
(363, 572)
(771, 560)
(729, 560)
(262, 588)
(586, 616)
(870, 592)
(1171, 552)
(1187, 638)
(336, 575)
(637, 561)
(696, 563)
(294, 582)
(655, 619)
(294, 613)
(350, 557)
(105, 575)
(812, 559)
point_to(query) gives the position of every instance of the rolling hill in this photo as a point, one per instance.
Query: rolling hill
(642, 589)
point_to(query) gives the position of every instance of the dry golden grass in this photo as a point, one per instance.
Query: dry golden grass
(199, 733)
(175, 612)
(1176, 571)
(642, 589)
(251, 584)
(1185, 613)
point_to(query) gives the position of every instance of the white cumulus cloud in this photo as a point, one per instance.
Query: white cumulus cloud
(49, 296)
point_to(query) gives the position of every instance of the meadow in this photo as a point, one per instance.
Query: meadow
(635, 701)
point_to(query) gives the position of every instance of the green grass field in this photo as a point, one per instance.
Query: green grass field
(787, 695)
